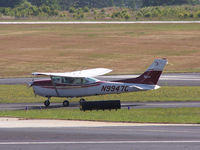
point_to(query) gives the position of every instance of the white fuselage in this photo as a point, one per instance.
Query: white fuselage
(97, 88)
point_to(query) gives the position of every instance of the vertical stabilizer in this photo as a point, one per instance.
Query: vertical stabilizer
(151, 75)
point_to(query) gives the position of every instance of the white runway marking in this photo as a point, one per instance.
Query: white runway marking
(96, 142)
(100, 22)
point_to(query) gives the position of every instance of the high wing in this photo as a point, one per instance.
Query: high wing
(83, 73)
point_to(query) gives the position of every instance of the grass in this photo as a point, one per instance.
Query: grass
(156, 115)
(125, 48)
(22, 94)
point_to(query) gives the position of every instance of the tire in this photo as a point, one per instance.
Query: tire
(66, 103)
(82, 100)
(47, 103)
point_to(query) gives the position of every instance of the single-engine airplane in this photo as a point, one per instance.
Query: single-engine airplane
(82, 83)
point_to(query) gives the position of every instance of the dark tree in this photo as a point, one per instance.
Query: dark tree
(10, 3)
(168, 2)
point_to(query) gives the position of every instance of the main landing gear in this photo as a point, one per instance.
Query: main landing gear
(65, 103)
(82, 100)
(47, 103)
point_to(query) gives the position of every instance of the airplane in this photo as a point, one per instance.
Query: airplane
(83, 83)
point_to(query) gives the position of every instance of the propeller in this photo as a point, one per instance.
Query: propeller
(30, 84)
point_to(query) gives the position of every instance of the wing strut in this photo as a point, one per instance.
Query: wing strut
(54, 86)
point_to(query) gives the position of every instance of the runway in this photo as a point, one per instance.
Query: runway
(151, 137)
(173, 79)
(75, 105)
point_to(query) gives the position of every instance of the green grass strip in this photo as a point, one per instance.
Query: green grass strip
(151, 115)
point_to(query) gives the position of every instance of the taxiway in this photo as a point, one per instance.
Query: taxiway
(151, 137)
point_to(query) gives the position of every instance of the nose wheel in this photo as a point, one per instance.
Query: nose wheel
(66, 103)
(47, 103)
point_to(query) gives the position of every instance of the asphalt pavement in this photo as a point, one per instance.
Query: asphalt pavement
(163, 137)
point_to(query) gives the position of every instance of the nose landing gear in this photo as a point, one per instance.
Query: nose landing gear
(47, 102)
(66, 103)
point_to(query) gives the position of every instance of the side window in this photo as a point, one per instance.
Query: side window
(56, 79)
(72, 81)
(63, 80)
(67, 80)
(78, 81)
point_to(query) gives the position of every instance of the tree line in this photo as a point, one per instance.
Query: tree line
(66, 4)
(78, 8)
(170, 12)
(23, 8)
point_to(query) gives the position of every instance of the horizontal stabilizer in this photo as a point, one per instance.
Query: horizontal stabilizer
(137, 87)
(145, 87)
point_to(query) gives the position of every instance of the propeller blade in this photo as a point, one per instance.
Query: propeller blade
(29, 84)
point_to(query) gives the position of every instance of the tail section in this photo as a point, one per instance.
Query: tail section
(151, 75)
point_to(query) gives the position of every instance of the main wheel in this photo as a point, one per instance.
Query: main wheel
(47, 103)
(66, 103)
(82, 100)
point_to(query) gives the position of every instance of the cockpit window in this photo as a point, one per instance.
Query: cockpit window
(73, 81)
(67, 80)
(56, 79)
